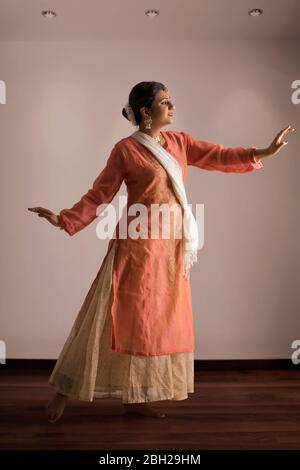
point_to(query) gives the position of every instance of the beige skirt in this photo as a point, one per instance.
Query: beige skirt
(88, 368)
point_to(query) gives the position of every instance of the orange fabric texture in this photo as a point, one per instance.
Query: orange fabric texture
(152, 305)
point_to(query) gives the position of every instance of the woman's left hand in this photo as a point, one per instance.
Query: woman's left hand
(277, 143)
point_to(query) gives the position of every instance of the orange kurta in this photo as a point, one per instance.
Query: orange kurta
(152, 306)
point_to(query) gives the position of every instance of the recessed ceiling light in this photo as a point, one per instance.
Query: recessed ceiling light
(49, 14)
(255, 12)
(152, 13)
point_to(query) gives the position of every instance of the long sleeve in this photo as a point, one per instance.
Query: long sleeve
(104, 188)
(210, 156)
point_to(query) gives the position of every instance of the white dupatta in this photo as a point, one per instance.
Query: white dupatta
(171, 165)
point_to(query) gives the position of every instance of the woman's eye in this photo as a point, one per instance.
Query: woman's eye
(166, 102)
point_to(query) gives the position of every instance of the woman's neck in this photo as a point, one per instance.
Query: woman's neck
(152, 132)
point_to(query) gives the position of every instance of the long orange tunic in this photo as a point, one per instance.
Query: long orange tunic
(152, 306)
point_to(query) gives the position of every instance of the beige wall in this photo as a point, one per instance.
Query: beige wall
(62, 118)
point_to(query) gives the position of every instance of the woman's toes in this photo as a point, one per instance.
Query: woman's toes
(50, 414)
(55, 408)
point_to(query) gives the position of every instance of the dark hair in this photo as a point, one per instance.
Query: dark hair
(142, 94)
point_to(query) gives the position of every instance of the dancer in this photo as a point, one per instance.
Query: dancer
(133, 338)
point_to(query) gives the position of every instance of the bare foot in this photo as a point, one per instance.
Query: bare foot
(55, 407)
(142, 409)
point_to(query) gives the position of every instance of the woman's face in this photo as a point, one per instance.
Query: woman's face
(162, 109)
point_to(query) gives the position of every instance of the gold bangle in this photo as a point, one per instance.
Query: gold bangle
(253, 158)
(60, 223)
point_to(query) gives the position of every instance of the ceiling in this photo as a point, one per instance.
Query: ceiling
(126, 19)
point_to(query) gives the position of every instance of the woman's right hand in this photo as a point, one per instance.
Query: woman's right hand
(47, 214)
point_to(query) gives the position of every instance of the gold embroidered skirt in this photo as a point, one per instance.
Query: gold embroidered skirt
(88, 368)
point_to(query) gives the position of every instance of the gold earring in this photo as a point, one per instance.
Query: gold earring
(148, 122)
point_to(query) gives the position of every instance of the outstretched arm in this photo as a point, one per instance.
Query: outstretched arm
(210, 156)
(104, 188)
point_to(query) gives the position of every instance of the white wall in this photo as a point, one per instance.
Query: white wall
(62, 118)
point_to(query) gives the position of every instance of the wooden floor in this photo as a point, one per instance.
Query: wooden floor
(229, 410)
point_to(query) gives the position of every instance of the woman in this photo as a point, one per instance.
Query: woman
(133, 337)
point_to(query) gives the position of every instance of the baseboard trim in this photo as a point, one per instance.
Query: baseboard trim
(200, 364)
